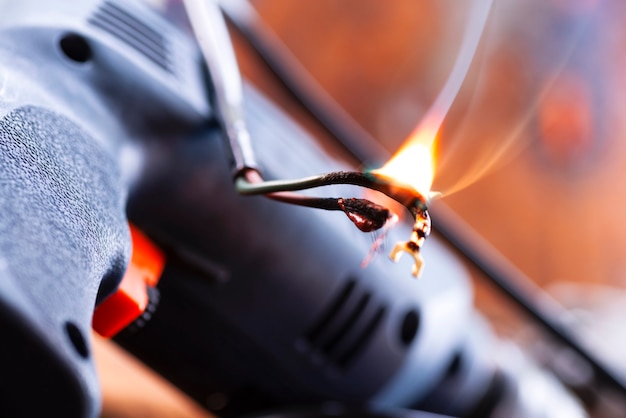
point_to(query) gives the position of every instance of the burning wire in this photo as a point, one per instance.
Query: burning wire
(212, 35)
(366, 215)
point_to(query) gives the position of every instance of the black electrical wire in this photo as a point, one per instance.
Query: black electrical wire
(366, 215)
(250, 183)
(495, 268)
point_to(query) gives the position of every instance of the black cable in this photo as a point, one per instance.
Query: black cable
(364, 214)
(251, 183)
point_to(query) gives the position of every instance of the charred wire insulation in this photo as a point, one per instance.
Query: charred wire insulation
(251, 183)
(366, 215)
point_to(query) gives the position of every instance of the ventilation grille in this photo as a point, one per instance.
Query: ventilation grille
(345, 327)
(134, 32)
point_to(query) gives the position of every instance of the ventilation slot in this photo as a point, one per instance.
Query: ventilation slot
(137, 34)
(343, 330)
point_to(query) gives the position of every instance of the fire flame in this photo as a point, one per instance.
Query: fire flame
(414, 163)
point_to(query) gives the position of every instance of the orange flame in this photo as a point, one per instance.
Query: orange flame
(414, 163)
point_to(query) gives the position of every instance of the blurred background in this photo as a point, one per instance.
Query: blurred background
(531, 154)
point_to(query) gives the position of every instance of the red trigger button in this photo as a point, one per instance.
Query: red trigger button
(131, 298)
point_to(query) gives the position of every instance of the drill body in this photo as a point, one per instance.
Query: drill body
(107, 116)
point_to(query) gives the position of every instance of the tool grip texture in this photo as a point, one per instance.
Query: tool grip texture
(64, 240)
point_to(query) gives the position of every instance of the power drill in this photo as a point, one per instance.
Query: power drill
(108, 115)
